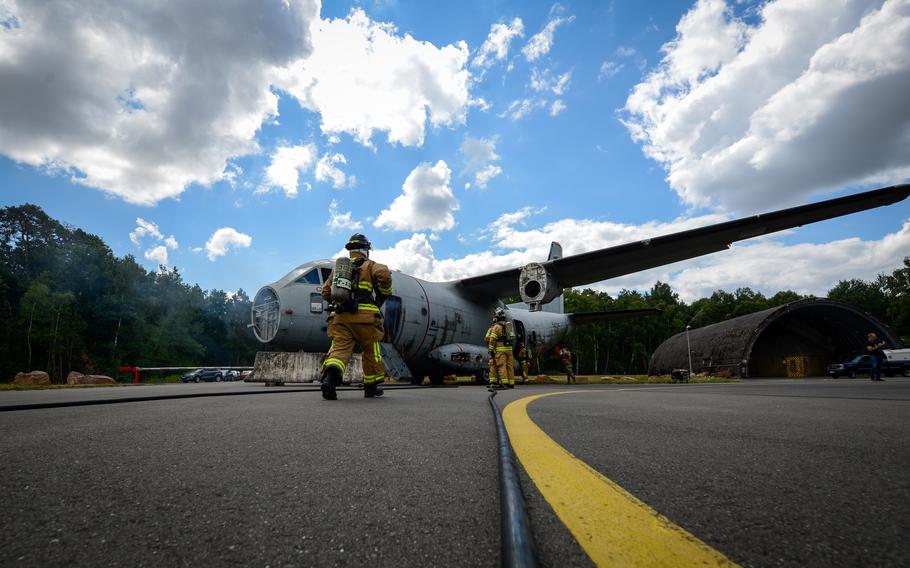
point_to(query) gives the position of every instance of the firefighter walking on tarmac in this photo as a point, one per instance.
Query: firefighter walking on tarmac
(355, 290)
(499, 339)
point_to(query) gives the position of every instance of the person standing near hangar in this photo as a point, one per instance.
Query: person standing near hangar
(874, 348)
(356, 290)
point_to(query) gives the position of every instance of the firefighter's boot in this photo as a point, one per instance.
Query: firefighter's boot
(373, 391)
(331, 377)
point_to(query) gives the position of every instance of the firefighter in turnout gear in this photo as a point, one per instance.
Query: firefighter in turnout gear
(355, 290)
(499, 341)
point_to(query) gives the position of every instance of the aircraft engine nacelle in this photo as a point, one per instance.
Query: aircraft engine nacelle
(537, 286)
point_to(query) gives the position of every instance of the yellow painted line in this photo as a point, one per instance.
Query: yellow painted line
(612, 526)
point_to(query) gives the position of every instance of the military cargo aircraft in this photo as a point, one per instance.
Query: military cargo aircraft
(435, 328)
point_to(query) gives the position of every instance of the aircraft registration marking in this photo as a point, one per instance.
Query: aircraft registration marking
(613, 527)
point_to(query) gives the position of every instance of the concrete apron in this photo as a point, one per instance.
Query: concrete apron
(281, 367)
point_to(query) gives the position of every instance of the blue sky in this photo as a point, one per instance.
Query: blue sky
(237, 142)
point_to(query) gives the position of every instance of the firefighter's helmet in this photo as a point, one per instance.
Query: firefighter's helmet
(499, 314)
(358, 242)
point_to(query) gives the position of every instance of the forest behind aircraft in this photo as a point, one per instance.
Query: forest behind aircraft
(433, 328)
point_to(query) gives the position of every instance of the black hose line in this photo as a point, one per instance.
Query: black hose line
(517, 547)
(149, 398)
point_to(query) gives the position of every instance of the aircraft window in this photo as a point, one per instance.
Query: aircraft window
(325, 273)
(316, 303)
(311, 277)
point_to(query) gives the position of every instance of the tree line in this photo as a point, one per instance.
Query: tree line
(626, 346)
(67, 303)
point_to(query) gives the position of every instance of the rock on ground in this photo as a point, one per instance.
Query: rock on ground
(33, 378)
(76, 378)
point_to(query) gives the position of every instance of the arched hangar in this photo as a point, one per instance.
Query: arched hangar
(798, 339)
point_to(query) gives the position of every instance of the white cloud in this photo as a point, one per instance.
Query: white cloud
(496, 46)
(541, 42)
(426, 201)
(143, 229)
(142, 99)
(171, 242)
(284, 170)
(363, 76)
(520, 108)
(557, 107)
(158, 254)
(225, 239)
(609, 69)
(545, 81)
(327, 170)
(479, 155)
(764, 264)
(741, 115)
(339, 220)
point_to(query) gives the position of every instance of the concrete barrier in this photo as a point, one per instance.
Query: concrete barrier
(282, 367)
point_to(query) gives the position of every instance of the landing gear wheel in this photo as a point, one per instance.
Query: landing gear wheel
(417, 381)
(481, 378)
(436, 379)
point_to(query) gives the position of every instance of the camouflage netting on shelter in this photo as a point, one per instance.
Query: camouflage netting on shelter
(797, 339)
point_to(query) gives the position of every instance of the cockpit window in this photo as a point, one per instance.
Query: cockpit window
(310, 277)
(325, 273)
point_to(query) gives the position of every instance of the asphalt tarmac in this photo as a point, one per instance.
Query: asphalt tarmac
(768, 472)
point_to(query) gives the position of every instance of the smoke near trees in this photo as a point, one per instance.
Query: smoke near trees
(68, 304)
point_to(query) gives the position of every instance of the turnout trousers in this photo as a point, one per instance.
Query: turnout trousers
(505, 365)
(345, 335)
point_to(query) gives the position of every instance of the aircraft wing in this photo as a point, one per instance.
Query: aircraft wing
(594, 266)
(581, 318)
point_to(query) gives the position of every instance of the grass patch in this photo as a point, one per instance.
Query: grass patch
(15, 387)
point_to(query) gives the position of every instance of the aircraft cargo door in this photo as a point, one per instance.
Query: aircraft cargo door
(519, 335)
(392, 316)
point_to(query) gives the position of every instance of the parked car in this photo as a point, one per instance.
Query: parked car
(204, 375)
(861, 365)
(231, 375)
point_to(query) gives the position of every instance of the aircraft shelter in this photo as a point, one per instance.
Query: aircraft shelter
(799, 339)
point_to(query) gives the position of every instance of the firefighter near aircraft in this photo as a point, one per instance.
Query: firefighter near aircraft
(437, 328)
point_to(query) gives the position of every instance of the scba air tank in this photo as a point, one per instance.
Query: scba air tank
(341, 280)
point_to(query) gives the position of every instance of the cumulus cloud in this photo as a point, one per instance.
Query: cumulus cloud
(285, 168)
(327, 170)
(149, 229)
(142, 99)
(742, 114)
(145, 228)
(557, 107)
(541, 42)
(479, 155)
(158, 254)
(545, 81)
(496, 46)
(765, 264)
(338, 220)
(363, 76)
(426, 202)
(225, 239)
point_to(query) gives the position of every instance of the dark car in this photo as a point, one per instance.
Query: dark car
(861, 365)
(205, 375)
